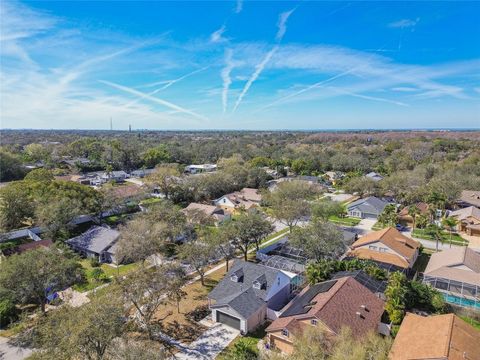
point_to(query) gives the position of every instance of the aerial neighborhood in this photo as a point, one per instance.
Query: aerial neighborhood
(163, 246)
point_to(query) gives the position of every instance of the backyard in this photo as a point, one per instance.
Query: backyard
(95, 278)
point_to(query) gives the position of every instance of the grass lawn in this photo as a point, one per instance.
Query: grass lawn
(473, 322)
(250, 340)
(150, 201)
(110, 271)
(455, 239)
(271, 236)
(421, 262)
(378, 226)
(346, 221)
(178, 325)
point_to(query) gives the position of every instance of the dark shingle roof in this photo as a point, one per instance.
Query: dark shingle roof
(96, 239)
(241, 296)
(369, 205)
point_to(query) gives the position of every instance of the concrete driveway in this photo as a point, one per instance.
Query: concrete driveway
(10, 352)
(209, 344)
(364, 226)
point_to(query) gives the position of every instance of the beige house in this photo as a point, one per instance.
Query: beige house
(388, 247)
(196, 212)
(330, 305)
(468, 220)
(469, 198)
(440, 337)
(245, 199)
(455, 272)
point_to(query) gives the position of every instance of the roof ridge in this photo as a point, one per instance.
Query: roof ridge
(334, 292)
(450, 334)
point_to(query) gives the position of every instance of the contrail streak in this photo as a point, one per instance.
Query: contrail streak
(154, 99)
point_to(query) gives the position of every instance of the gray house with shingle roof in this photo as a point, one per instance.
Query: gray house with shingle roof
(97, 242)
(370, 207)
(242, 297)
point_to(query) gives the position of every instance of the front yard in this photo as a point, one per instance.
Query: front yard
(455, 239)
(244, 344)
(345, 221)
(181, 325)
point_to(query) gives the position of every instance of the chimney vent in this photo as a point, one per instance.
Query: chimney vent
(360, 315)
(364, 307)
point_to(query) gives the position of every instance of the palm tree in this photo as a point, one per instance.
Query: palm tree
(450, 223)
(435, 232)
(413, 211)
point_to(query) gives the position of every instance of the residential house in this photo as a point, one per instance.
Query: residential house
(141, 173)
(438, 337)
(246, 199)
(374, 176)
(117, 176)
(469, 198)
(216, 214)
(97, 242)
(405, 217)
(247, 293)
(388, 247)
(330, 305)
(196, 169)
(456, 273)
(369, 208)
(334, 176)
(468, 220)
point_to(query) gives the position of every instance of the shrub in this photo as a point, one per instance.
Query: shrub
(94, 262)
(8, 312)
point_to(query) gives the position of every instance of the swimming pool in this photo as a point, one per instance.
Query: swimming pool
(461, 301)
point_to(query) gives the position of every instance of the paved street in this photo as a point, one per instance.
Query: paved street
(9, 352)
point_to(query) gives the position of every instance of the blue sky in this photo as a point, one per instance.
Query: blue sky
(240, 64)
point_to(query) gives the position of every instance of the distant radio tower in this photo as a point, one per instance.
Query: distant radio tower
(129, 128)
(111, 124)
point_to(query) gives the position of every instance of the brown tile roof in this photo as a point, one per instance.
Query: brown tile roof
(470, 197)
(32, 245)
(422, 207)
(383, 257)
(445, 264)
(337, 308)
(207, 209)
(393, 238)
(436, 337)
(465, 213)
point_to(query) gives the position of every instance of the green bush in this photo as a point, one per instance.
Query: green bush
(8, 312)
(94, 262)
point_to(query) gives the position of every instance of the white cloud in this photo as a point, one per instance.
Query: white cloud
(282, 28)
(217, 36)
(404, 89)
(239, 6)
(282, 24)
(227, 81)
(404, 23)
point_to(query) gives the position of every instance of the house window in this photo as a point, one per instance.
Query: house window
(285, 332)
(278, 281)
(382, 249)
(371, 247)
(314, 322)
